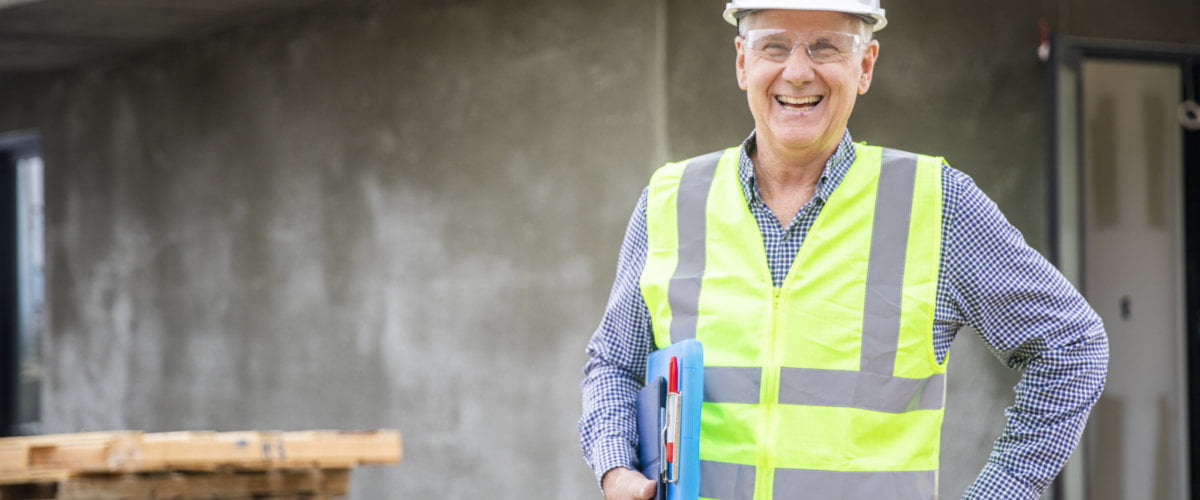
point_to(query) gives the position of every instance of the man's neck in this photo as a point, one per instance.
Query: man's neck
(787, 178)
(780, 168)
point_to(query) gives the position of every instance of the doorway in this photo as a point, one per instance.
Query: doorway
(22, 296)
(1125, 231)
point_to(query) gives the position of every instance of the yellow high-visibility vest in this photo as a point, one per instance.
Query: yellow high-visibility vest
(828, 386)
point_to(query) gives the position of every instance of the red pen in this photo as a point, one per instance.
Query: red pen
(674, 413)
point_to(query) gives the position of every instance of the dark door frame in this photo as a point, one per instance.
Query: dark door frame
(1069, 53)
(9, 335)
(14, 147)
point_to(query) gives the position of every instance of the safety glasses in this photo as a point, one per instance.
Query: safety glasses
(821, 46)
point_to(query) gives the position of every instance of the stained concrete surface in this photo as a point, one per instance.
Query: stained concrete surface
(351, 221)
(385, 215)
(49, 35)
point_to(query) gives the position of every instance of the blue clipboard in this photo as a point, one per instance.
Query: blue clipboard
(651, 418)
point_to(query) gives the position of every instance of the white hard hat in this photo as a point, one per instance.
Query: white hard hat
(867, 9)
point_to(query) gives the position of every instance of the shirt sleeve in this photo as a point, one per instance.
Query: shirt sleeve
(616, 362)
(1033, 319)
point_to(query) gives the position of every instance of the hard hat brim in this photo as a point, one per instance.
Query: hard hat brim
(876, 17)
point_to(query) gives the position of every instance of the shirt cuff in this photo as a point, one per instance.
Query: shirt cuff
(609, 454)
(996, 482)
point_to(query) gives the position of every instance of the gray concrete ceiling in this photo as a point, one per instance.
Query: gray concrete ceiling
(50, 35)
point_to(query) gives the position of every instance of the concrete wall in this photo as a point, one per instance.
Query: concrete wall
(372, 216)
(361, 218)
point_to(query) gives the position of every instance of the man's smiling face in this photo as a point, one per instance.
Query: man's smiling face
(799, 104)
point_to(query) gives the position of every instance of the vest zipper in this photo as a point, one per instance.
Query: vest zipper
(770, 401)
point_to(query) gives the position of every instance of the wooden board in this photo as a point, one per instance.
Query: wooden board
(85, 451)
(47, 456)
(207, 485)
(132, 465)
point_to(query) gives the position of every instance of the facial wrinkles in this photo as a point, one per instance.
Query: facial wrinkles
(798, 85)
(799, 102)
(798, 89)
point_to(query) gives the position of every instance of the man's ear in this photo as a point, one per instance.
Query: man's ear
(740, 45)
(870, 54)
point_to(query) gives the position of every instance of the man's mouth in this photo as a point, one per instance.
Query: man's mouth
(799, 103)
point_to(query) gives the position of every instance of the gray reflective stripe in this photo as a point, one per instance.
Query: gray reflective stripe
(683, 294)
(856, 389)
(732, 384)
(874, 387)
(726, 481)
(885, 270)
(889, 485)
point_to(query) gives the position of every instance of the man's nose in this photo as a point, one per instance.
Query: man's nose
(798, 69)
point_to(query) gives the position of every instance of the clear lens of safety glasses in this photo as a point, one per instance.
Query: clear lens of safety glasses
(822, 46)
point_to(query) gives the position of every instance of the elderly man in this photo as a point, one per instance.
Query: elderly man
(826, 281)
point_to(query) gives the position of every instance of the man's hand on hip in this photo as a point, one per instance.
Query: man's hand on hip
(626, 484)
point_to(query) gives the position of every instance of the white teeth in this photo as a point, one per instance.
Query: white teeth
(799, 100)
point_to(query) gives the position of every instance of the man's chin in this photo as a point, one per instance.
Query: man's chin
(802, 139)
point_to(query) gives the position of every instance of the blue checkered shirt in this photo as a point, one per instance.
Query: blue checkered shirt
(1024, 309)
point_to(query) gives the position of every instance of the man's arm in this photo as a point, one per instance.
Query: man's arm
(1032, 319)
(616, 367)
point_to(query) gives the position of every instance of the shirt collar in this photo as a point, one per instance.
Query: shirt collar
(835, 169)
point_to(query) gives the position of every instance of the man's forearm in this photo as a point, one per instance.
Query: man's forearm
(1054, 398)
(608, 427)
(616, 363)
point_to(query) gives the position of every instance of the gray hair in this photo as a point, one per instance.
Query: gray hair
(866, 28)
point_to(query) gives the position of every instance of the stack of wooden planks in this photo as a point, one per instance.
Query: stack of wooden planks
(189, 465)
